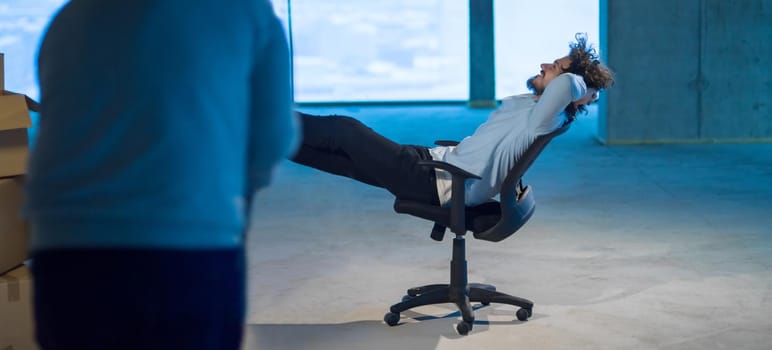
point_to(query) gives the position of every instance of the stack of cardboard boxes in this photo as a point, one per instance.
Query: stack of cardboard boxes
(16, 324)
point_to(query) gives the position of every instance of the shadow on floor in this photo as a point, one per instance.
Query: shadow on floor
(416, 331)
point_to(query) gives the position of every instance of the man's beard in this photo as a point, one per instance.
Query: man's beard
(534, 89)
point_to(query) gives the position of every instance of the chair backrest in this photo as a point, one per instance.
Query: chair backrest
(517, 202)
(490, 221)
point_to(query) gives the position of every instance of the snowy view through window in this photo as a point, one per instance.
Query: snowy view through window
(363, 50)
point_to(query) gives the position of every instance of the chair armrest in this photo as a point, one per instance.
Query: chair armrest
(452, 169)
(446, 143)
(457, 194)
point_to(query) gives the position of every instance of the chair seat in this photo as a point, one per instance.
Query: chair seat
(485, 220)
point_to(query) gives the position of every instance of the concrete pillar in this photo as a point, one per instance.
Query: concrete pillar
(687, 71)
(736, 45)
(652, 47)
(482, 77)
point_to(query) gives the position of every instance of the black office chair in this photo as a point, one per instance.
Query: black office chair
(492, 221)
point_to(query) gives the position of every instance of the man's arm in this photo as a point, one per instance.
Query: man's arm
(561, 91)
(274, 131)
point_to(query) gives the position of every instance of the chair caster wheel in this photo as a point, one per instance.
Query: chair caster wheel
(485, 303)
(391, 319)
(524, 314)
(464, 327)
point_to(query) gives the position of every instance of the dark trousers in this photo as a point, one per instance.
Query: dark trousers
(344, 146)
(139, 299)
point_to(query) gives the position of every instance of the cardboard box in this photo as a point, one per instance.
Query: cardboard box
(13, 153)
(14, 121)
(13, 230)
(16, 317)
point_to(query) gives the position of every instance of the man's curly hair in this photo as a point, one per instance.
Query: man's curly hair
(585, 62)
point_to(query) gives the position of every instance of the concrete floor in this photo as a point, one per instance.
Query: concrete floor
(631, 247)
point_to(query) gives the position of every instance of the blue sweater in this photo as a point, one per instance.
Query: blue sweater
(159, 119)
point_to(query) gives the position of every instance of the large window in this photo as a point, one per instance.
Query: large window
(21, 26)
(528, 33)
(355, 50)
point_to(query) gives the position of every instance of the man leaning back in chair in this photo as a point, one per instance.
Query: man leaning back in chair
(344, 146)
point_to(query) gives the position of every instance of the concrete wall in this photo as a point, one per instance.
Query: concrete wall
(687, 71)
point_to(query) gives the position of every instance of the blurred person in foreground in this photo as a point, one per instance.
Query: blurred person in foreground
(159, 119)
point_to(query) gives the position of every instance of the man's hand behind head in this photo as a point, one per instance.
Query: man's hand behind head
(589, 97)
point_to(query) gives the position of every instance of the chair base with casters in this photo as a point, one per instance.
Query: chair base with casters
(458, 292)
(492, 221)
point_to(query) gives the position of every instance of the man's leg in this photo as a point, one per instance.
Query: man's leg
(344, 146)
(330, 162)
